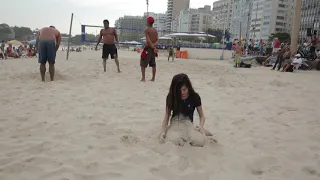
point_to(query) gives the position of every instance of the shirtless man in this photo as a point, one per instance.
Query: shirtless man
(109, 35)
(149, 50)
(239, 53)
(49, 41)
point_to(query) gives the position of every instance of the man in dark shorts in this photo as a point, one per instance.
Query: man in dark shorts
(109, 36)
(148, 56)
(48, 40)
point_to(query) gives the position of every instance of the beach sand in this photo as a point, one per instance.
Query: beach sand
(91, 125)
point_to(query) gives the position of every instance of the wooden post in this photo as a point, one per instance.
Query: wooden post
(69, 38)
(224, 30)
(295, 27)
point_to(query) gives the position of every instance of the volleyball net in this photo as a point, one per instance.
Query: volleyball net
(135, 36)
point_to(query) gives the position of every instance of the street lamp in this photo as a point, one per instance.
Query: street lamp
(226, 20)
(148, 8)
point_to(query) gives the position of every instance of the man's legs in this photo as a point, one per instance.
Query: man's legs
(43, 71)
(117, 62)
(275, 65)
(51, 71)
(104, 63)
(143, 73)
(154, 70)
(280, 63)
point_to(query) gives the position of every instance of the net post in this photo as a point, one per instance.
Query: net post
(69, 38)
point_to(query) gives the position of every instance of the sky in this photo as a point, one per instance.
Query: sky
(41, 13)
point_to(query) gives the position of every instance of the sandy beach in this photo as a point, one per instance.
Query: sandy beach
(91, 125)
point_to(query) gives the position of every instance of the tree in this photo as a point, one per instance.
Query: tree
(23, 33)
(77, 39)
(218, 33)
(283, 37)
(6, 33)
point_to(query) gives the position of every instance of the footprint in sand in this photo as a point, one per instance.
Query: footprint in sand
(310, 171)
(130, 139)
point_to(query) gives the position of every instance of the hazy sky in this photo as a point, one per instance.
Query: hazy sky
(40, 13)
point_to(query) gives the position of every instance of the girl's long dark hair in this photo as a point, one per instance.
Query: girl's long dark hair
(174, 95)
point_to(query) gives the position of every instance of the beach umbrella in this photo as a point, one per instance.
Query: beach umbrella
(33, 42)
(15, 42)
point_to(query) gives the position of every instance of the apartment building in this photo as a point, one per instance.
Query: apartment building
(310, 18)
(270, 16)
(131, 27)
(195, 20)
(173, 9)
(240, 19)
(220, 14)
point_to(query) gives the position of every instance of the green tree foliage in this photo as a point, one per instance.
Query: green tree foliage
(283, 37)
(6, 33)
(77, 39)
(218, 33)
(23, 33)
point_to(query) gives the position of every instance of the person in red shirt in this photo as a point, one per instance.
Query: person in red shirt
(276, 45)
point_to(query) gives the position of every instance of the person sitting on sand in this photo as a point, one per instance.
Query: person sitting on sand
(181, 102)
(295, 64)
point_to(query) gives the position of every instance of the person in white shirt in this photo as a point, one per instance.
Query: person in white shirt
(296, 63)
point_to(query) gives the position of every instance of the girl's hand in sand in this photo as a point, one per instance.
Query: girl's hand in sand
(162, 138)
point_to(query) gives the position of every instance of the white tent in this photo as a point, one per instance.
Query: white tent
(160, 38)
(131, 42)
(190, 35)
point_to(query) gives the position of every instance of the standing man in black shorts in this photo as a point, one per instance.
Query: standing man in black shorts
(109, 36)
(148, 56)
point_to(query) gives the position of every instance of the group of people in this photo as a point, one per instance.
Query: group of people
(16, 52)
(181, 101)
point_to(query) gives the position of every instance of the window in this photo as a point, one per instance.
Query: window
(282, 5)
(279, 23)
(280, 17)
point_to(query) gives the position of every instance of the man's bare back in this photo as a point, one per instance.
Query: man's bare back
(151, 33)
(108, 35)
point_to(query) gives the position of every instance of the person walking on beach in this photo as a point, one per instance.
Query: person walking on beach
(171, 54)
(109, 36)
(181, 102)
(239, 53)
(47, 42)
(148, 56)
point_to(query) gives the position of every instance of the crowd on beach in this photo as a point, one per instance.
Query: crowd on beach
(276, 53)
(11, 51)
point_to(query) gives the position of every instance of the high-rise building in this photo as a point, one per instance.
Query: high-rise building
(220, 14)
(310, 18)
(240, 19)
(131, 28)
(195, 20)
(159, 22)
(173, 9)
(270, 17)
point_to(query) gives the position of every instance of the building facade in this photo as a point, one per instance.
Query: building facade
(240, 19)
(173, 9)
(195, 20)
(220, 14)
(310, 18)
(270, 16)
(131, 28)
